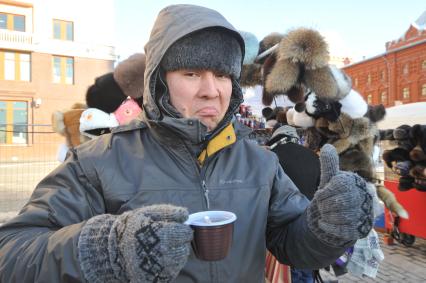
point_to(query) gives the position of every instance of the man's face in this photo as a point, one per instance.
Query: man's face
(200, 94)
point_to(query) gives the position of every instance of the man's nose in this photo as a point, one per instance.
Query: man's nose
(209, 87)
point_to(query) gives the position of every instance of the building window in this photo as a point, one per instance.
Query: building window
(405, 69)
(424, 90)
(405, 93)
(369, 98)
(424, 65)
(369, 79)
(384, 97)
(63, 70)
(382, 75)
(13, 122)
(63, 30)
(356, 81)
(15, 66)
(12, 22)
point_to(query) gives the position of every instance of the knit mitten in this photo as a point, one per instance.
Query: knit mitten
(148, 244)
(341, 211)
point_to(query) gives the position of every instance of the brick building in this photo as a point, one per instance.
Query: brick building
(397, 76)
(50, 52)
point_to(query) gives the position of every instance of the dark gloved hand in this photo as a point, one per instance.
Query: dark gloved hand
(149, 244)
(342, 209)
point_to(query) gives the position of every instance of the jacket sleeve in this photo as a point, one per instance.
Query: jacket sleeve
(288, 237)
(40, 244)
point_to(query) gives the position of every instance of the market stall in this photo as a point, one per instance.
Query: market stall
(411, 198)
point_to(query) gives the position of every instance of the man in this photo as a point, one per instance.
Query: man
(302, 166)
(113, 211)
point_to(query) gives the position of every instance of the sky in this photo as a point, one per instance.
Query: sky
(353, 28)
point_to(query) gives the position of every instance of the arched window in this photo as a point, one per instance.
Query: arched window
(405, 93)
(384, 97)
(405, 69)
(423, 90)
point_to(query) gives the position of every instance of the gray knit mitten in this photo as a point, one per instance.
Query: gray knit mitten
(341, 210)
(148, 244)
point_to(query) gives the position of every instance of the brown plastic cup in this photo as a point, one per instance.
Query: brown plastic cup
(213, 232)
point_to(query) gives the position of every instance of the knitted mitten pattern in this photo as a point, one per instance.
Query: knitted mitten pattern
(149, 244)
(341, 210)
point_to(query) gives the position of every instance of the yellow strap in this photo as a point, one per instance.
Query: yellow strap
(224, 138)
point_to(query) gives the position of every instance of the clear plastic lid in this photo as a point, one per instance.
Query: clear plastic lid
(211, 218)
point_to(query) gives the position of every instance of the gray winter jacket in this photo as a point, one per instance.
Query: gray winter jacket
(151, 162)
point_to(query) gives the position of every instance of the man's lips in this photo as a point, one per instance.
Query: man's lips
(208, 111)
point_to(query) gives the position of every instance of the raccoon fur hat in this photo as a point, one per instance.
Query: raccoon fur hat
(302, 59)
(359, 132)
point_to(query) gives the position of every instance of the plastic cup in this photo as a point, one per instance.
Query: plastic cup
(213, 232)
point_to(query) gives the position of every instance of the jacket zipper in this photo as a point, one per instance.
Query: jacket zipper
(206, 193)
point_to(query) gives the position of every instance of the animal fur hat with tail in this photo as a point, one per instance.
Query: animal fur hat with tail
(302, 62)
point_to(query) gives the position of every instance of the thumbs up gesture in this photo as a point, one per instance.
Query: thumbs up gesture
(341, 211)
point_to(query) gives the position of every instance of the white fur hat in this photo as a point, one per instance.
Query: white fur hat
(93, 118)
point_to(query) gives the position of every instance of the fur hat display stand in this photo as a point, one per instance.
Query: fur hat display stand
(115, 98)
(328, 110)
(407, 155)
(107, 103)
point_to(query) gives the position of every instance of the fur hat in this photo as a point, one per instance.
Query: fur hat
(304, 46)
(301, 119)
(212, 48)
(129, 75)
(356, 160)
(396, 154)
(405, 183)
(94, 119)
(328, 82)
(267, 113)
(267, 42)
(282, 115)
(403, 137)
(420, 184)
(105, 94)
(386, 135)
(375, 113)
(302, 63)
(67, 123)
(353, 132)
(251, 75)
(354, 105)
(418, 135)
(317, 108)
(111, 89)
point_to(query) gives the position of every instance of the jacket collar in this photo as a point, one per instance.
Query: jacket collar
(223, 139)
